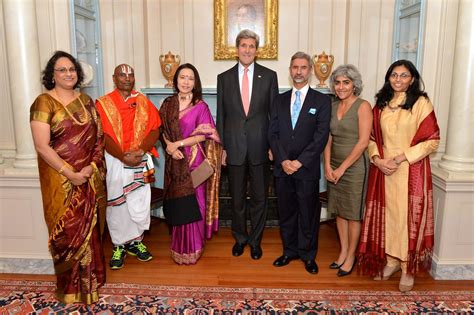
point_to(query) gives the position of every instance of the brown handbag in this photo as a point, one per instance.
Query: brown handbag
(203, 171)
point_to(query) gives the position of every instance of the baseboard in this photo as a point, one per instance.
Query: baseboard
(441, 271)
(27, 266)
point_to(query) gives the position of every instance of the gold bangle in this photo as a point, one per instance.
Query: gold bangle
(61, 170)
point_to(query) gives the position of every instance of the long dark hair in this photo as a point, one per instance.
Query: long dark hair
(197, 89)
(415, 90)
(48, 72)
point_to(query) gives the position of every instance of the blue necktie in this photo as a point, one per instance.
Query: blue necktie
(295, 111)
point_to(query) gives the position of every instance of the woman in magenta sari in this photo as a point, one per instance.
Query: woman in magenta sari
(69, 140)
(188, 133)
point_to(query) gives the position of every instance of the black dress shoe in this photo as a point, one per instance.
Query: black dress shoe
(283, 261)
(311, 266)
(256, 252)
(342, 273)
(238, 249)
(334, 265)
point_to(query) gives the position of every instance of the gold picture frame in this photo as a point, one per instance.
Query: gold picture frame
(228, 16)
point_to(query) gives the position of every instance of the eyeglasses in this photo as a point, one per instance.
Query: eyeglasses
(403, 76)
(65, 70)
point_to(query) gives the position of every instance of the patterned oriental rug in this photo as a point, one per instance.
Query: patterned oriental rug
(37, 297)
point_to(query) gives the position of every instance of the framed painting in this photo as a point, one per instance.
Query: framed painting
(232, 16)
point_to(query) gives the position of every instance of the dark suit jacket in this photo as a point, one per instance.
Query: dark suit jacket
(307, 141)
(240, 134)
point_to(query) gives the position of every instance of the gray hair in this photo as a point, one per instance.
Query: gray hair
(301, 55)
(244, 34)
(352, 73)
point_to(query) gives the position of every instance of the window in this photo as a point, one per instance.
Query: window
(86, 44)
(409, 27)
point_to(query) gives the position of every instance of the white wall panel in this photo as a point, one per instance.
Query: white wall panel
(438, 58)
(7, 137)
(54, 28)
(23, 230)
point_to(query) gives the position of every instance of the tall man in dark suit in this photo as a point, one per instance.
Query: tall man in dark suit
(244, 95)
(299, 130)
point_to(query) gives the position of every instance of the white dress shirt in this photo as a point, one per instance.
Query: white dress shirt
(303, 91)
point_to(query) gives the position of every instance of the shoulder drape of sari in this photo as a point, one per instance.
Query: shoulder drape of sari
(72, 212)
(178, 184)
(420, 202)
(371, 252)
(179, 202)
(372, 258)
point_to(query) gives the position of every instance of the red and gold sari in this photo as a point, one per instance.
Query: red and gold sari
(72, 213)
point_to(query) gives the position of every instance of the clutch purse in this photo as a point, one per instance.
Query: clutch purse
(202, 172)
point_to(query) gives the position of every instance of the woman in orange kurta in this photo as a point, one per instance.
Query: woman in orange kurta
(68, 138)
(398, 227)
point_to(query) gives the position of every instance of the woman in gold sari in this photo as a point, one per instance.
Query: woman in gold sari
(69, 141)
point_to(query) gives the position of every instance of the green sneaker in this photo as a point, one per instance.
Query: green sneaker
(118, 257)
(138, 249)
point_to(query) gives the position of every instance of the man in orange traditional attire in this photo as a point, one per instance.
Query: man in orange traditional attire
(130, 123)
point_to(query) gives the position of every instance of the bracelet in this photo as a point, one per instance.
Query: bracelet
(396, 162)
(61, 170)
(181, 144)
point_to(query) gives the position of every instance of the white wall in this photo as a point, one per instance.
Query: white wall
(138, 32)
(7, 138)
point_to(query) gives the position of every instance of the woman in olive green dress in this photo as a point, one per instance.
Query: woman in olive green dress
(346, 162)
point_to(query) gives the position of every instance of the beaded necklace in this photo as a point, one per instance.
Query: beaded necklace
(86, 113)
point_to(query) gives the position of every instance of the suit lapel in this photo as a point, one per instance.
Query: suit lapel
(286, 110)
(238, 96)
(256, 86)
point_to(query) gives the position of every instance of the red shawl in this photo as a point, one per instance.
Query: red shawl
(372, 258)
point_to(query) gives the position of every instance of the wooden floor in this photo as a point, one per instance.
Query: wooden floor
(218, 267)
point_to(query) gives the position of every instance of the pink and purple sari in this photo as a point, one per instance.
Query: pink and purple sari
(180, 198)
